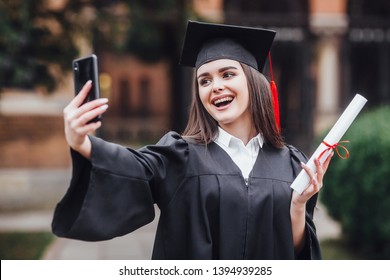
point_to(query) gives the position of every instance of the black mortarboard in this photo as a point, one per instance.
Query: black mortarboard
(205, 42)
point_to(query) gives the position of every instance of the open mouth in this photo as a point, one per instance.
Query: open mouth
(224, 101)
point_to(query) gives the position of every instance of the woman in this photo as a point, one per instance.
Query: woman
(223, 187)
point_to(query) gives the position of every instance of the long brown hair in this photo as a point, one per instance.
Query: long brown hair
(202, 128)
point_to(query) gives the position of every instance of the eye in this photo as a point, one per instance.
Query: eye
(228, 74)
(204, 81)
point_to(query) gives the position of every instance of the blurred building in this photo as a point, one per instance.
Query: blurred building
(324, 53)
(140, 98)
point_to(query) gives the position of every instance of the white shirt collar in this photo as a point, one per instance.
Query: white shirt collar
(225, 138)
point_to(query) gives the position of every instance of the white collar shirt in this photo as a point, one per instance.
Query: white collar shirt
(244, 156)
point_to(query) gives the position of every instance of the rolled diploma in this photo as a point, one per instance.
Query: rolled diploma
(338, 130)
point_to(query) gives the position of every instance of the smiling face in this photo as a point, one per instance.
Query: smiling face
(223, 90)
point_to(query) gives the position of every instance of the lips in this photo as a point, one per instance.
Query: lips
(222, 101)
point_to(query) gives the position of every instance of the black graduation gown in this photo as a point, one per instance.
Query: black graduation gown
(207, 209)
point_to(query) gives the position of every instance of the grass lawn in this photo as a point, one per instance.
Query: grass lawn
(24, 245)
(333, 249)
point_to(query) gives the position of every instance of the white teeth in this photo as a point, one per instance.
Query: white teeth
(224, 99)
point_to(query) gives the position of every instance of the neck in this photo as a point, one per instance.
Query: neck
(243, 132)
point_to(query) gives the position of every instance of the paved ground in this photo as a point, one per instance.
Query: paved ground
(137, 245)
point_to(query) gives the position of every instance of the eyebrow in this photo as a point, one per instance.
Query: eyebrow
(219, 71)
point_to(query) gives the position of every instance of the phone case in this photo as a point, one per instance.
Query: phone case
(85, 69)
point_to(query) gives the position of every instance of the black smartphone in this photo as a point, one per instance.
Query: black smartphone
(85, 69)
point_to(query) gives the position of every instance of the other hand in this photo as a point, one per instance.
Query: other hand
(315, 184)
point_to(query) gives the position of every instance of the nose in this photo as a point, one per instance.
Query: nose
(218, 86)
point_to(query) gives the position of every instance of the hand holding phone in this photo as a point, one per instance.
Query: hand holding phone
(86, 69)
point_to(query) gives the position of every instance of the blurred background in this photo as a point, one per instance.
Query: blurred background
(324, 53)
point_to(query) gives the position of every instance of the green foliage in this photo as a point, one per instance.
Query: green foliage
(357, 192)
(150, 35)
(146, 40)
(335, 249)
(149, 29)
(24, 246)
(38, 38)
(33, 37)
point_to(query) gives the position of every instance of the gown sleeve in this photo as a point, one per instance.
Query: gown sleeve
(114, 193)
(311, 249)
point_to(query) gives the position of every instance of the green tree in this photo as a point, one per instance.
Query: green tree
(357, 191)
(38, 39)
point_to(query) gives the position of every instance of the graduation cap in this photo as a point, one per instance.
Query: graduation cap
(205, 42)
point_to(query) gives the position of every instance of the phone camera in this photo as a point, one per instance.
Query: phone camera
(76, 66)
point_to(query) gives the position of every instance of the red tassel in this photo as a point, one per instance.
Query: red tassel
(275, 101)
(274, 91)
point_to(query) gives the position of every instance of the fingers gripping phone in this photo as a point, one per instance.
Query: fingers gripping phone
(85, 69)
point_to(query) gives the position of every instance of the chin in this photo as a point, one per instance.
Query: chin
(225, 117)
(224, 121)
